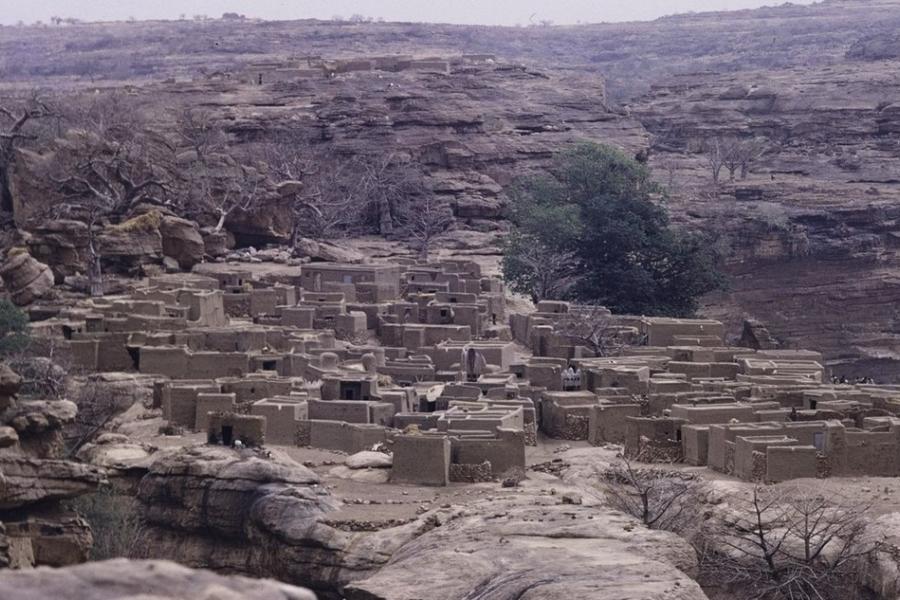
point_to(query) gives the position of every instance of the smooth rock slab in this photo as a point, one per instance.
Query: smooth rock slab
(148, 580)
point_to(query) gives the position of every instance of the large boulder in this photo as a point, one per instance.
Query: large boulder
(26, 278)
(217, 243)
(369, 460)
(151, 580)
(182, 241)
(326, 251)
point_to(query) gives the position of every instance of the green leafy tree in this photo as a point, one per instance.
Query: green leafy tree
(600, 228)
(14, 336)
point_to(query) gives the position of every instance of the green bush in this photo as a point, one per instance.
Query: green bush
(14, 336)
(600, 226)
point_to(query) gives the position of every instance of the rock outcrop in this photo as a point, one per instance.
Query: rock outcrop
(245, 512)
(159, 580)
(26, 278)
(181, 240)
(528, 547)
(34, 478)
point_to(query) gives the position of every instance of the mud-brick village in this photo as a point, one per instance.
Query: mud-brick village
(367, 308)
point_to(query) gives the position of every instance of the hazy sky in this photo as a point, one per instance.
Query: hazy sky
(493, 12)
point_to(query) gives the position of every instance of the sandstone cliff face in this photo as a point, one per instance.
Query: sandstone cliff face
(810, 235)
(243, 512)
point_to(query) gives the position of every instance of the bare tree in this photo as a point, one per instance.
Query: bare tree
(592, 327)
(733, 153)
(16, 128)
(199, 131)
(660, 499)
(535, 269)
(98, 404)
(775, 545)
(225, 188)
(325, 200)
(386, 185)
(427, 219)
(716, 153)
(99, 179)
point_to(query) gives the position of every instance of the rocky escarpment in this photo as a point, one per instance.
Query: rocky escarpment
(810, 235)
(244, 512)
(118, 579)
(632, 56)
(35, 529)
(470, 125)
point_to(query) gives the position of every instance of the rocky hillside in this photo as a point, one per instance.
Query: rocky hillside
(811, 231)
(809, 235)
(631, 56)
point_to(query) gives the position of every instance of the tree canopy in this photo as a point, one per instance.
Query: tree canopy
(593, 230)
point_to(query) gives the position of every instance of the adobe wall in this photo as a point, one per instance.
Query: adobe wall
(249, 429)
(790, 462)
(281, 419)
(211, 403)
(505, 453)
(218, 364)
(346, 437)
(695, 441)
(421, 460)
(607, 422)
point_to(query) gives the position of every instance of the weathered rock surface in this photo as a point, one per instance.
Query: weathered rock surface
(369, 460)
(243, 512)
(118, 452)
(182, 241)
(26, 278)
(326, 251)
(809, 235)
(29, 481)
(520, 546)
(148, 580)
(34, 528)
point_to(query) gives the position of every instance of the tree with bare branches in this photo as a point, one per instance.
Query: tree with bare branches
(533, 268)
(778, 545)
(733, 154)
(427, 219)
(661, 499)
(225, 188)
(324, 198)
(16, 127)
(198, 130)
(592, 327)
(99, 179)
(387, 184)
